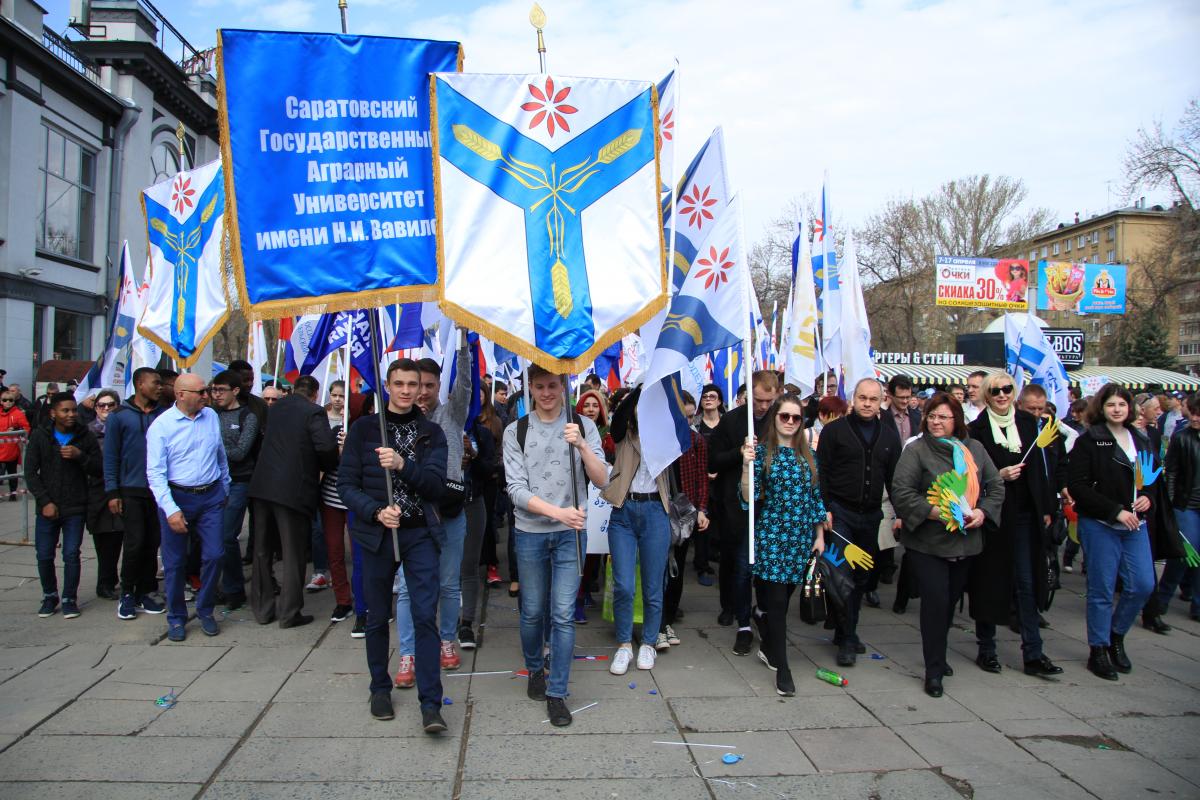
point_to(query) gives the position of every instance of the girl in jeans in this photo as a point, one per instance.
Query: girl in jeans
(789, 524)
(1112, 530)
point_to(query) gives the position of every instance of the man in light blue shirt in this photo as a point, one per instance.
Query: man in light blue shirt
(189, 476)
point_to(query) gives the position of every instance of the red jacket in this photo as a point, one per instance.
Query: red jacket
(12, 420)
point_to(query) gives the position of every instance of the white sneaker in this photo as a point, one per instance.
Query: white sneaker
(620, 661)
(646, 657)
(318, 583)
(1068, 568)
(672, 637)
(661, 643)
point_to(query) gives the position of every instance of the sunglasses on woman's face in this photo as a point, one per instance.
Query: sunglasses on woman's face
(106, 405)
(999, 390)
(790, 419)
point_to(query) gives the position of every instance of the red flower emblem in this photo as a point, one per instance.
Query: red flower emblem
(181, 193)
(666, 127)
(695, 205)
(819, 229)
(549, 107)
(716, 268)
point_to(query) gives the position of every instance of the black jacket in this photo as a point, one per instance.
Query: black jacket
(853, 473)
(54, 479)
(298, 447)
(991, 580)
(1182, 468)
(483, 466)
(914, 421)
(725, 456)
(361, 482)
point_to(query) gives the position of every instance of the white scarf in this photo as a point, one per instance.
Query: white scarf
(1004, 429)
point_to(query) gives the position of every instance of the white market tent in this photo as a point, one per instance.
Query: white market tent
(1134, 378)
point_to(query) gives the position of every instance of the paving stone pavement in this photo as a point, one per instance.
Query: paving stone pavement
(269, 713)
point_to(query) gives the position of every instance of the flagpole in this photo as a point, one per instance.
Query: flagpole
(278, 358)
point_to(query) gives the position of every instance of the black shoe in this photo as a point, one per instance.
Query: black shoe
(296, 621)
(359, 631)
(466, 637)
(431, 721)
(871, 599)
(1116, 652)
(899, 608)
(1042, 666)
(933, 687)
(106, 593)
(381, 705)
(860, 648)
(741, 645)
(341, 613)
(947, 671)
(560, 715)
(725, 619)
(235, 601)
(1156, 624)
(989, 663)
(887, 574)
(1101, 665)
(536, 690)
(846, 656)
(784, 685)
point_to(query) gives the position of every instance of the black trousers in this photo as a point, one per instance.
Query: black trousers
(673, 587)
(288, 530)
(139, 567)
(733, 575)
(108, 553)
(772, 600)
(10, 468)
(941, 583)
(487, 555)
(863, 530)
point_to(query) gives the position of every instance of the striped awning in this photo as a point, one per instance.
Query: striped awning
(1134, 378)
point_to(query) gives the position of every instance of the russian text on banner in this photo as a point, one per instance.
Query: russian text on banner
(330, 177)
(185, 301)
(572, 164)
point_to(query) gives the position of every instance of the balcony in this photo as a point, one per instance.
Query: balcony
(66, 53)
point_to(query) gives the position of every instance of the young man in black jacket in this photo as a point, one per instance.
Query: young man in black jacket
(856, 458)
(58, 460)
(402, 529)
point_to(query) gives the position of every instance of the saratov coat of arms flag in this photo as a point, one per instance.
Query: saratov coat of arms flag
(185, 302)
(550, 239)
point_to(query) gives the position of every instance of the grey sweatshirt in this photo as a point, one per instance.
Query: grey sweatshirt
(543, 469)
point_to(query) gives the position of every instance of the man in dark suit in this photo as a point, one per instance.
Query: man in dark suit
(904, 420)
(284, 491)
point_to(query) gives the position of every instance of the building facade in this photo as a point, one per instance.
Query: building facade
(85, 125)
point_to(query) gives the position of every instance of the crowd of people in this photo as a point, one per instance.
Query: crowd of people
(398, 514)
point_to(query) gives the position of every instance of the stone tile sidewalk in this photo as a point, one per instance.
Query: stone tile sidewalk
(265, 713)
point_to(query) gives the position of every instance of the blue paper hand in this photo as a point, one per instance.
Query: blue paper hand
(1146, 467)
(833, 554)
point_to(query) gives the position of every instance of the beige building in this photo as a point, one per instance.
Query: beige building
(1131, 236)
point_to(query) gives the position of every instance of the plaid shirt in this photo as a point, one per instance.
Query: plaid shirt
(693, 472)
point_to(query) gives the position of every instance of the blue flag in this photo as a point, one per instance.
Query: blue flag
(329, 336)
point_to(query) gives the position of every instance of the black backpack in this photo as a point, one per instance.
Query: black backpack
(523, 428)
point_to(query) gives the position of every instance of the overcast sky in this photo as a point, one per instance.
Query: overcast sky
(891, 97)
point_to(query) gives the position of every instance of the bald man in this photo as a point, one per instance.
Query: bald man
(189, 476)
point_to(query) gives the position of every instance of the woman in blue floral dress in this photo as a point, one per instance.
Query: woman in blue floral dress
(790, 522)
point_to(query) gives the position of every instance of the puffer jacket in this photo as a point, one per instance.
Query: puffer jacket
(54, 479)
(12, 420)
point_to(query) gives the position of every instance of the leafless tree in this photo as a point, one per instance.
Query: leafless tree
(1157, 158)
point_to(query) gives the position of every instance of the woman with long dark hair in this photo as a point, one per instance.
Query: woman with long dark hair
(938, 552)
(789, 526)
(1103, 477)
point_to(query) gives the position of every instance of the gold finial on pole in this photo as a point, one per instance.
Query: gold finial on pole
(180, 131)
(537, 18)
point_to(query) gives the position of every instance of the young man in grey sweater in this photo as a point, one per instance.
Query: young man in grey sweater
(547, 521)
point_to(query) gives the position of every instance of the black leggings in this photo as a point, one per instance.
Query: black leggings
(673, 590)
(773, 599)
(941, 583)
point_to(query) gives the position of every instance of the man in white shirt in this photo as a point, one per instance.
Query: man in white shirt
(975, 402)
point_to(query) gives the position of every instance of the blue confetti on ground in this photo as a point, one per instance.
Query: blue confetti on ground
(633, 686)
(732, 758)
(877, 657)
(446, 701)
(653, 691)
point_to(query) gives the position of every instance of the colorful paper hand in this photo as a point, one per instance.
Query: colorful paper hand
(856, 555)
(1190, 554)
(833, 554)
(948, 496)
(1144, 472)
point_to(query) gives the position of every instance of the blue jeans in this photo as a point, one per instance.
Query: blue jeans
(233, 579)
(1189, 526)
(45, 538)
(454, 531)
(203, 514)
(549, 567)
(1106, 551)
(638, 531)
(1024, 534)
(419, 555)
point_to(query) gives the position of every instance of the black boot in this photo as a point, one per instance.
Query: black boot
(1101, 665)
(1116, 651)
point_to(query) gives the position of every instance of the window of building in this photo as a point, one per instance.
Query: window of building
(1045, 251)
(1112, 256)
(66, 196)
(1081, 240)
(1112, 233)
(1095, 237)
(1108, 329)
(1189, 348)
(72, 335)
(1033, 254)
(1056, 248)
(1067, 245)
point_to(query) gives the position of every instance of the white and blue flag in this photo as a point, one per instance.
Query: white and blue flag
(1046, 369)
(825, 272)
(800, 344)
(854, 328)
(186, 303)
(109, 370)
(329, 335)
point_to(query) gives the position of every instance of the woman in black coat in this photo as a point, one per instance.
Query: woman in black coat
(1014, 553)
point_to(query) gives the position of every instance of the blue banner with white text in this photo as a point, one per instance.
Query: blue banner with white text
(329, 167)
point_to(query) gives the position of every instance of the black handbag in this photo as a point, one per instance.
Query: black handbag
(812, 594)
(837, 582)
(454, 499)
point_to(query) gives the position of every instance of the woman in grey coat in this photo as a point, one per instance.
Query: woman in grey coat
(937, 554)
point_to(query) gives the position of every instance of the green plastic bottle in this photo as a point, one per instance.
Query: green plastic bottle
(829, 676)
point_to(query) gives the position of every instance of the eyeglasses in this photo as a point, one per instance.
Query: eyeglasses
(218, 389)
(194, 391)
(710, 396)
(106, 405)
(789, 419)
(940, 418)
(999, 390)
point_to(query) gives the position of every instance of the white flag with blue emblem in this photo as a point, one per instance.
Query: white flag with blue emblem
(550, 238)
(709, 313)
(109, 370)
(186, 303)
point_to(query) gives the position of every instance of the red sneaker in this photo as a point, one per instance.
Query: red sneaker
(493, 577)
(406, 676)
(450, 659)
